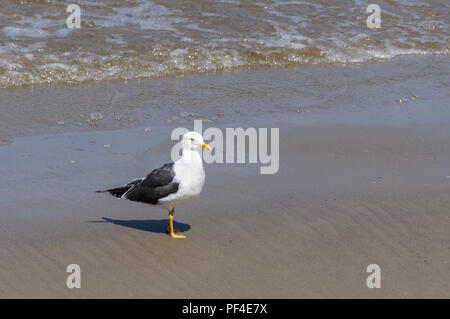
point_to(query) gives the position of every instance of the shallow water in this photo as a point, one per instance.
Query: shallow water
(226, 97)
(144, 39)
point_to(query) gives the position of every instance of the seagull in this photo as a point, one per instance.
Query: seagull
(173, 183)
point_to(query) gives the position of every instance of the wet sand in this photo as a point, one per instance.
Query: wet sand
(356, 186)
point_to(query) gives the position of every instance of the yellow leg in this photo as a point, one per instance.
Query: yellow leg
(172, 233)
(175, 230)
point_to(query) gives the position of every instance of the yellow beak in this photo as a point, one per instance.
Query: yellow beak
(204, 145)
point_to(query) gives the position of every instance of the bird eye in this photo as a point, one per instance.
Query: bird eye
(192, 139)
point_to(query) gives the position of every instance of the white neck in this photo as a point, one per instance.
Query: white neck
(191, 157)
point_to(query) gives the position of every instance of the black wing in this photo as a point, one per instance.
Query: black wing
(158, 184)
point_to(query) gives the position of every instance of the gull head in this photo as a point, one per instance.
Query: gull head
(193, 141)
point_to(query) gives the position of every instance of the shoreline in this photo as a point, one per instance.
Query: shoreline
(356, 186)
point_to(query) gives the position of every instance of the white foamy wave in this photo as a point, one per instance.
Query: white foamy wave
(122, 40)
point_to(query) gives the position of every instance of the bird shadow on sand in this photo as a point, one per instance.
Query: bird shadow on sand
(153, 225)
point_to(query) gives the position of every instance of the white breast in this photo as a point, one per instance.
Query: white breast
(190, 176)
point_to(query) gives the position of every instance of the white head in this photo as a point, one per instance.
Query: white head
(193, 141)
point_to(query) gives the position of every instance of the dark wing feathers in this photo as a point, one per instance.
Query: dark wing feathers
(119, 191)
(158, 184)
(160, 177)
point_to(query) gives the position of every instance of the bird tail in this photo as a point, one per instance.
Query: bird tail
(118, 192)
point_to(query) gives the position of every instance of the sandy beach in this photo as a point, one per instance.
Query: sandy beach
(364, 179)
